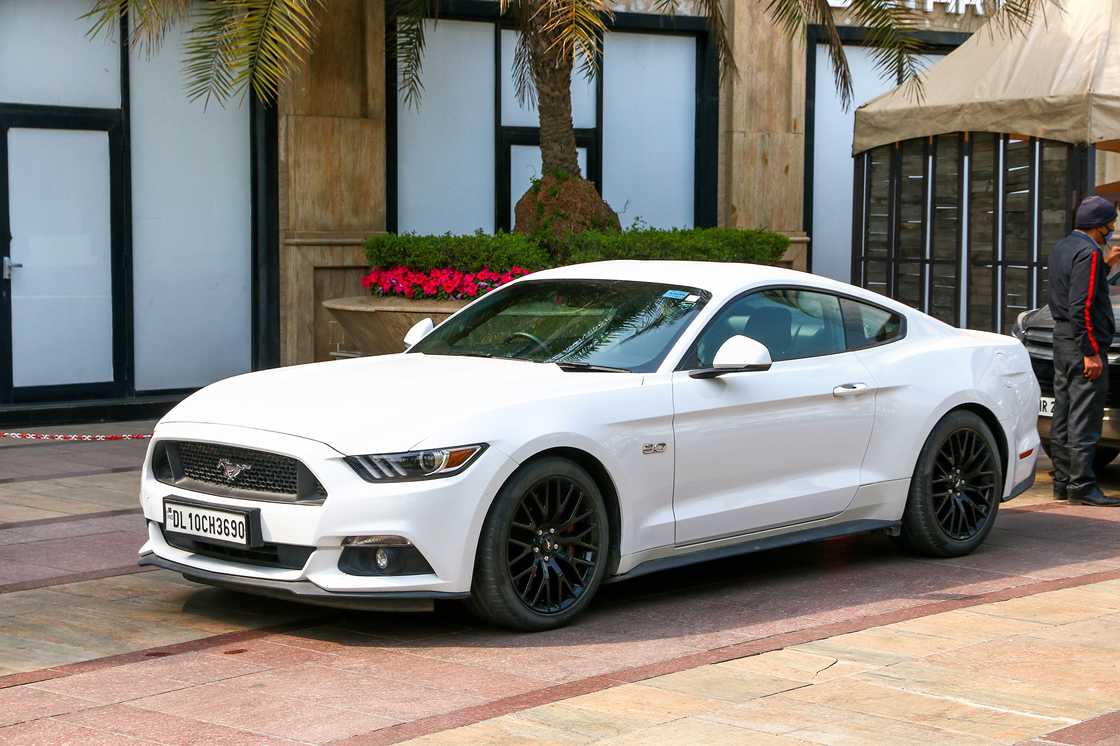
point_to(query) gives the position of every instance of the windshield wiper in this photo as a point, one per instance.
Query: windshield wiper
(475, 354)
(589, 368)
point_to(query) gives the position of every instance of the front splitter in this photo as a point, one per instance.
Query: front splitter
(306, 591)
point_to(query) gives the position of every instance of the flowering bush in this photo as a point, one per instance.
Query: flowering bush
(440, 283)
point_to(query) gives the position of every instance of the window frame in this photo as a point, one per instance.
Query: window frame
(707, 104)
(689, 354)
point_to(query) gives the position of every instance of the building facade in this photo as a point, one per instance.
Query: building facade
(165, 244)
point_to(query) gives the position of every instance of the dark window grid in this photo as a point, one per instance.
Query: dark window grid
(1018, 193)
(904, 264)
(982, 269)
(1064, 203)
(953, 264)
(876, 271)
(898, 269)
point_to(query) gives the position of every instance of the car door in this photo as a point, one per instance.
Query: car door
(758, 450)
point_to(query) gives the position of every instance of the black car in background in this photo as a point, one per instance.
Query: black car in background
(1035, 329)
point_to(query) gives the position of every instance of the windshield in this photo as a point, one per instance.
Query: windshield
(603, 323)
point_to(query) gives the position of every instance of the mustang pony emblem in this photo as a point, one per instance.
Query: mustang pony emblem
(230, 470)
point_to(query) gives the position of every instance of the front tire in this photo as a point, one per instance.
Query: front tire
(956, 489)
(543, 549)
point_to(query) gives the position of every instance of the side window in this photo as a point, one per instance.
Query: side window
(791, 323)
(867, 326)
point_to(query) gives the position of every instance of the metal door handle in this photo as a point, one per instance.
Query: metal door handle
(9, 265)
(849, 389)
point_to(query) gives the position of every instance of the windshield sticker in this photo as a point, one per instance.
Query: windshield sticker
(675, 294)
(692, 298)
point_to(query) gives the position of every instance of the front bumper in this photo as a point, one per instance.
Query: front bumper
(1110, 428)
(303, 590)
(442, 518)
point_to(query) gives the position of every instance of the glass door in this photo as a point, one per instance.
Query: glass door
(60, 226)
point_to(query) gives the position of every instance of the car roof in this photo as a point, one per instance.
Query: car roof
(719, 278)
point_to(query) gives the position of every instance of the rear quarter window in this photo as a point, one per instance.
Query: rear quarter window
(867, 326)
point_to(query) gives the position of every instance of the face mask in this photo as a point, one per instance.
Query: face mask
(1108, 235)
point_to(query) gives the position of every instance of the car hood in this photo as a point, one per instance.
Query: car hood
(383, 404)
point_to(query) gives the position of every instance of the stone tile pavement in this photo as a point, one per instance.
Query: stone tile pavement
(1035, 667)
(845, 641)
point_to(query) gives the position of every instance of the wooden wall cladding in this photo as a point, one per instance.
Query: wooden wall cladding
(311, 271)
(332, 175)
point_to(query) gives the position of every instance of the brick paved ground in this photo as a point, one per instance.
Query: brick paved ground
(846, 640)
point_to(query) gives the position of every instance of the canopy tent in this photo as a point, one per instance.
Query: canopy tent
(1057, 80)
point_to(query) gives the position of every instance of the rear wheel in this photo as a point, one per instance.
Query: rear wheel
(956, 489)
(543, 550)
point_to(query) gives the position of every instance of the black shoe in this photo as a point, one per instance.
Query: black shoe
(1094, 496)
(1061, 492)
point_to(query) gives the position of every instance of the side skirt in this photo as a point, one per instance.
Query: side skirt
(694, 555)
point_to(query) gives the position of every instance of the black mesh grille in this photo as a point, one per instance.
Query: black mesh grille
(228, 470)
(264, 472)
(286, 556)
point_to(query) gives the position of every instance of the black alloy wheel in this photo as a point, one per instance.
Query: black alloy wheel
(964, 484)
(543, 549)
(553, 545)
(956, 489)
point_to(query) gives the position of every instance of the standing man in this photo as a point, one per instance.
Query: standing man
(1083, 329)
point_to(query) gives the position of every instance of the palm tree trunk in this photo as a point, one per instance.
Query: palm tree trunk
(552, 74)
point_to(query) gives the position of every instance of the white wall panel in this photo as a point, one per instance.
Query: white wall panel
(191, 240)
(47, 58)
(445, 147)
(515, 115)
(833, 170)
(649, 128)
(62, 297)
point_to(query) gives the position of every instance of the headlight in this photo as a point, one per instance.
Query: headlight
(414, 465)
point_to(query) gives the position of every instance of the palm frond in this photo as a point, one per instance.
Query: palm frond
(1014, 16)
(719, 33)
(407, 48)
(208, 53)
(573, 28)
(268, 39)
(895, 48)
(794, 15)
(150, 20)
(523, 84)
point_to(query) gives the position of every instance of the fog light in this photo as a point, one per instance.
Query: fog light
(374, 560)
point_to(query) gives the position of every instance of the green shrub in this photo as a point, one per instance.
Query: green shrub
(500, 252)
(503, 251)
(698, 244)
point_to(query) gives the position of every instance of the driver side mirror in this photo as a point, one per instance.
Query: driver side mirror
(418, 331)
(737, 355)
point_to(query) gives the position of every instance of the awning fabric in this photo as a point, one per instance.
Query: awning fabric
(1059, 80)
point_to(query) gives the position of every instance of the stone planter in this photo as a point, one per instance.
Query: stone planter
(378, 325)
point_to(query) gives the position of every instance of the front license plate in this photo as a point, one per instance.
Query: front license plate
(219, 525)
(1046, 406)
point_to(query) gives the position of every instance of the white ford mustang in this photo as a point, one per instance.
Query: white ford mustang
(591, 423)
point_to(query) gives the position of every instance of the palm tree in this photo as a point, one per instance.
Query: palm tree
(237, 46)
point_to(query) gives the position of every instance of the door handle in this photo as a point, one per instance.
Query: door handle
(9, 265)
(849, 389)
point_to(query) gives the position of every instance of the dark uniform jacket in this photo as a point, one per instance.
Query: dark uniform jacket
(1079, 298)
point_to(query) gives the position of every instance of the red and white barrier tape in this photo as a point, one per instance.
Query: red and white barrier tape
(73, 437)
